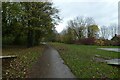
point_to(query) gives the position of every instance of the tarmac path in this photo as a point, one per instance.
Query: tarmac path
(50, 65)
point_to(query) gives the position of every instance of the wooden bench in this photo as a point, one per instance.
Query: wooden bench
(8, 57)
(115, 62)
(6, 60)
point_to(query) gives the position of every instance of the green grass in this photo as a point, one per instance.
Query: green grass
(18, 67)
(79, 59)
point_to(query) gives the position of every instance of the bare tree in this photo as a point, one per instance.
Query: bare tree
(113, 28)
(88, 21)
(80, 26)
(109, 31)
(105, 32)
(77, 26)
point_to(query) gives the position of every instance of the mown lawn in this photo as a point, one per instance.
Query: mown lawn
(79, 59)
(25, 58)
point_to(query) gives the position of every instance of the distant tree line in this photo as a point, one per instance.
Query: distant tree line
(28, 22)
(80, 28)
(84, 30)
(109, 31)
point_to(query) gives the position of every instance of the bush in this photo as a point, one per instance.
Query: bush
(7, 40)
(86, 41)
(10, 40)
(103, 42)
(108, 42)
(115, 43)
(100, 42)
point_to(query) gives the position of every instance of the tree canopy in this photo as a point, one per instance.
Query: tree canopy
(83, 27)
(31, 20)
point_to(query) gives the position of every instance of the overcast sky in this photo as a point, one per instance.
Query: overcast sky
(104, 12)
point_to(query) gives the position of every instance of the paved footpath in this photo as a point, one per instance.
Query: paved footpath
(111, 49)
(50, 65)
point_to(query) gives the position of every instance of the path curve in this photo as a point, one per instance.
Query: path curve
(50, 65)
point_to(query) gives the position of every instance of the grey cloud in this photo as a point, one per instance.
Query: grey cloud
(104, 13)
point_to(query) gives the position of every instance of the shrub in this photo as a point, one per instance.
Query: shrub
(7, 40)
(107, 42)
(89, 41)
(116, 40)
(103, 42)
(115, 43)
(86, 41)
(99, 42)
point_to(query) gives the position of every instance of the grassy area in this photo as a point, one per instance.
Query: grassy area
(79, 58)
(25, 58)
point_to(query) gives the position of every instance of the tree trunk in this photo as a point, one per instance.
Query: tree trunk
(30, 38)
(37, 37)
(17, 40)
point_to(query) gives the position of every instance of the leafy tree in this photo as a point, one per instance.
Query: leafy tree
(33, 20)
(69, 35)
(11, 19)
(92, 30)
(88, 21)
(80, 26)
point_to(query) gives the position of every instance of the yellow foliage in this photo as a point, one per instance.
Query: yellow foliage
(99, 42)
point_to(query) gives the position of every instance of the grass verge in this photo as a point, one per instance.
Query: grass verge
(79, 59)
(18, 67)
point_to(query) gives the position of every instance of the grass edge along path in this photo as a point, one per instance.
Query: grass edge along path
(25, 58)
(79, 58)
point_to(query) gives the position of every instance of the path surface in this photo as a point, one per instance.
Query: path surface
(50, 65)
(111, 49)
(112, 61)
